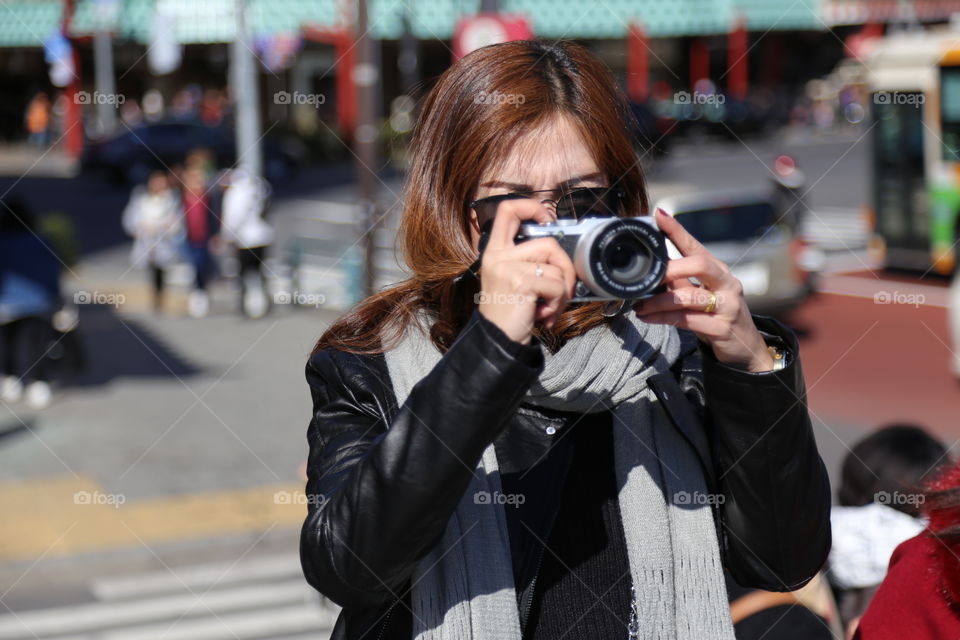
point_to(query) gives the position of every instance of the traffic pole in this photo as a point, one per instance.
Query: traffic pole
(366, 79)
(243, 80)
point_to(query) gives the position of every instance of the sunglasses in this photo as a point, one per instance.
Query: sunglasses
(575, 204)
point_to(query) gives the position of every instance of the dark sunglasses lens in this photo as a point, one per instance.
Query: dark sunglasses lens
(486, 208)
(581, 203)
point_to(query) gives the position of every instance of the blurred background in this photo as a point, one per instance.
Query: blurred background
(192, 191)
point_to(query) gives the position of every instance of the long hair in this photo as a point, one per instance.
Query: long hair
(458, 135)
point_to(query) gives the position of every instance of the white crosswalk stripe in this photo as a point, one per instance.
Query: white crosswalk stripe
(253, 599)
(836, 229)
(330, 248)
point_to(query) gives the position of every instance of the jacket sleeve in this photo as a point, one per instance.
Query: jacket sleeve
(379, 498)
(775, 516)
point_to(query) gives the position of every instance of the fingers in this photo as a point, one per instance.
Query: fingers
(554, 293)
(510, 215)
(687, 298)
(515, 284)
(548, 251)
(547, 271)
(706, 325)
(681, 238)
(703, 266)
(552, 297)
(520, 277)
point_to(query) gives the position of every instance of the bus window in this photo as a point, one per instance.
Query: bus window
(950, 112)
(899, 186)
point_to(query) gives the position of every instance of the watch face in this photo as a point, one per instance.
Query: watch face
(779, 357)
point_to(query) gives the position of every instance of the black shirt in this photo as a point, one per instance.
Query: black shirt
(582, 583)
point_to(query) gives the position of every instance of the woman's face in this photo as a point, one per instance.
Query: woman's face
(553, 156)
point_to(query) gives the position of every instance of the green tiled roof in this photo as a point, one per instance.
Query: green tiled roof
(28, 22)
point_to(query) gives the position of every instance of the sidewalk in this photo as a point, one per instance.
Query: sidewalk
(179, 430)
(22, 159)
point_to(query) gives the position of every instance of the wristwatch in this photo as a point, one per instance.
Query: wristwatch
(780, 357)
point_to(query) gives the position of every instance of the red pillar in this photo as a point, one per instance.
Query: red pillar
(346, 89)
(343, 50)
(737, 67)
(699, 62)
(73, 116)
(638, 64)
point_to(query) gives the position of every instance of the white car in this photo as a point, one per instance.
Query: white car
(751, 232)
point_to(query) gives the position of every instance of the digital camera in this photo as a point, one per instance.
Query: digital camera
(615, 258)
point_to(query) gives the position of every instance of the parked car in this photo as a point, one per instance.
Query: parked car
(750, 231)
(132, 154)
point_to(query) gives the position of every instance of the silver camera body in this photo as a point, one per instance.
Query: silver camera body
(615, 258)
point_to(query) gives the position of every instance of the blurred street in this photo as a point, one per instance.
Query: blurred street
(164, 392)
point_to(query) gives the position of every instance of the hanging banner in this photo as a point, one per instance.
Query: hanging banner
(58, 53)
(277, 52)
(165, 51)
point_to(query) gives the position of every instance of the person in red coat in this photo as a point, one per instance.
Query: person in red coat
(920, 596)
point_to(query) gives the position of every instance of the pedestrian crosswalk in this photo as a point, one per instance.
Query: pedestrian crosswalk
(262, 598)
(835, 229)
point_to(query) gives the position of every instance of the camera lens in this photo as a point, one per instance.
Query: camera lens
(627, 260)
(621, 258)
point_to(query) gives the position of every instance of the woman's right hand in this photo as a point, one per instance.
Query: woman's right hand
(512, 296)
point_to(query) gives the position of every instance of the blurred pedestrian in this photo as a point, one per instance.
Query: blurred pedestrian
(809, 613)
(244, 228)
(211, 107)
(131, 114)
(154, 218)
(37, 119)
(919, 598)
(29, 295)
(879, 497)
(200, 224)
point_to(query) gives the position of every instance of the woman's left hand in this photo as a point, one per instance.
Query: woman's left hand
(728, 328)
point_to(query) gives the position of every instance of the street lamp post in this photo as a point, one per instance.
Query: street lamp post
(243, 76)
(366, 79)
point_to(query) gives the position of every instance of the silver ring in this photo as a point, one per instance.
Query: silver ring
(539, 272)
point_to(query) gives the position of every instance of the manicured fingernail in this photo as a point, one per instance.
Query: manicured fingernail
(661, 212)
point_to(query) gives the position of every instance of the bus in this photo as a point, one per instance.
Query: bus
(914, 86)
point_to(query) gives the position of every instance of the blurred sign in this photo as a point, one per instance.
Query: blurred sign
(165, 51)
(277, 52)
(59, 55)
(484, 29)
(849, 12)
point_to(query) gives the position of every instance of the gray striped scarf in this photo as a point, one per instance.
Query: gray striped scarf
(464, 588)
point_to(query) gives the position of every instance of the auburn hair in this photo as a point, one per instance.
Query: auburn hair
(458, 135)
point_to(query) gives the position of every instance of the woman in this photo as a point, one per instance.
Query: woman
(879, 499)
(154, 218)
(243, 227)
(199, 221)
(488, 460)
(920, 596)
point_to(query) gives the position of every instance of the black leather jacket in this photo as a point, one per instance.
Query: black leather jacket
(380, 498)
